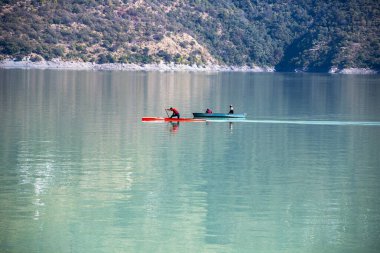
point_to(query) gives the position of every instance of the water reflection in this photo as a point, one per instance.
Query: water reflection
(174, 127)
(230, 124)
(80, 169)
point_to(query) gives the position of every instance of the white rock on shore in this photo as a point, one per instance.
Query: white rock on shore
(362, 71)
(59, 64)
(73, 65)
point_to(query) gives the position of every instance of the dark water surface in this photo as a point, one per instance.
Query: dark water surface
(80, 172)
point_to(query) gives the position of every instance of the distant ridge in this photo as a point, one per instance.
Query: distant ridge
(293, 35)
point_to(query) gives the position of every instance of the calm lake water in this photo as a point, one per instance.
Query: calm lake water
(80, 172)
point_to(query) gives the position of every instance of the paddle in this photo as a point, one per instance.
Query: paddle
(166, 110)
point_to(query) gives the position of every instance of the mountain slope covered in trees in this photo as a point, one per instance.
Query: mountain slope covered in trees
(306, 35)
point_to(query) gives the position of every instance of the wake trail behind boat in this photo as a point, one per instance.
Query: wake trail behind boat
(307, 122)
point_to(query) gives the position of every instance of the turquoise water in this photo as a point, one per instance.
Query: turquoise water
(80, 172)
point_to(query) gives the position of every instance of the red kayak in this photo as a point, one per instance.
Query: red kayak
(145, 119)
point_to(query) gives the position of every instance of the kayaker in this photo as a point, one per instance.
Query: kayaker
(208, 111)
(231, 110)
(175, 112)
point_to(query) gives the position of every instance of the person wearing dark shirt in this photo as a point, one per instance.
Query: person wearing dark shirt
(231, 110)
(208, 111)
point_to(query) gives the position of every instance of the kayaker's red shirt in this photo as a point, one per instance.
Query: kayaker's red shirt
(175, 111)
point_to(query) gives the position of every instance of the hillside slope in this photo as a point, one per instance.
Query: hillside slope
(306, 35)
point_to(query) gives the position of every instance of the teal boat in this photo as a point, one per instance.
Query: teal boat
(219, 115)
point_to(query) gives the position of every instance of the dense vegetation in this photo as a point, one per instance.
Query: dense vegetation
(307, 35)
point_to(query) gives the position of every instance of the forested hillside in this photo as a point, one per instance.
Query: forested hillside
(306, 35)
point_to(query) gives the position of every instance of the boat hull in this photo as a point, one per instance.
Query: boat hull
(161, 119)
(219, 115)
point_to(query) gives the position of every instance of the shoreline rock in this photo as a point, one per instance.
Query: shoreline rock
(72, 65)
(353, 71)
(162, 67)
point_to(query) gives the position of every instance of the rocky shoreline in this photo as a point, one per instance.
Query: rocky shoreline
(73, 65)
(360, 71)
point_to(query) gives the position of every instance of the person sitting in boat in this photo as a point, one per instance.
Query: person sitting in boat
(175, 112)
(208, 111)
(231, 110)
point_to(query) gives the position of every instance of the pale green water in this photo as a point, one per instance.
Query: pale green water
(80, 172)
